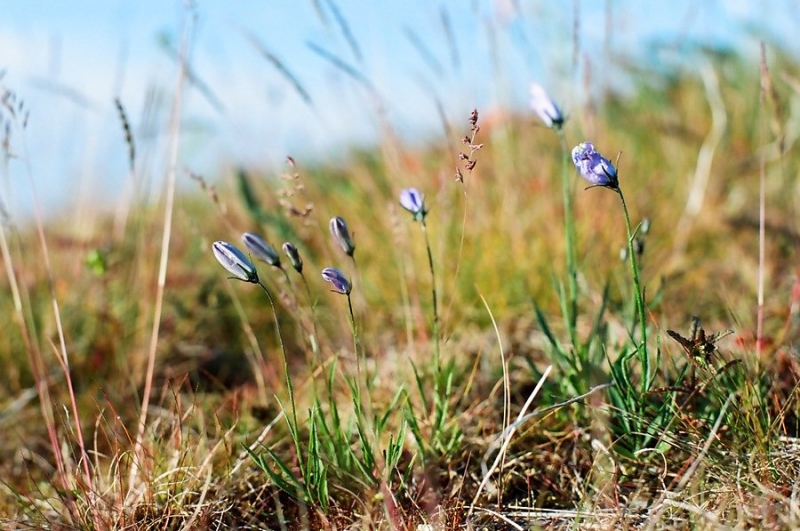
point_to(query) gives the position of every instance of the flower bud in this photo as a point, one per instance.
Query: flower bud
(594, 167)
(337, 278)
(294, 256)
(235, 262)
(261, 249)
(414, 201)
(342, 235)
(545, 107)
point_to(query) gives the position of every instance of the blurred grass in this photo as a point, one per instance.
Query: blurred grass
(218, 372)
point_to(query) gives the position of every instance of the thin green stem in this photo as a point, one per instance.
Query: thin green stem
(569, 237)
(283, 354)
(435, 303)
(355, 335)
(638, 295)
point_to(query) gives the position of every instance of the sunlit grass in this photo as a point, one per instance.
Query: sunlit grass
(423, 395)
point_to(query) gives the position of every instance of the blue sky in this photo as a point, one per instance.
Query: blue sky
(69, 60)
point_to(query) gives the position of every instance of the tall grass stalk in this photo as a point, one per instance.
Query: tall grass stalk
(61, 350)
(174, 137)
(38, 369)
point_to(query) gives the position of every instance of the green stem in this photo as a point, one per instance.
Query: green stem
(289, 387)
(639, 296)
(355, 335)
(569, 237)
(435, 304)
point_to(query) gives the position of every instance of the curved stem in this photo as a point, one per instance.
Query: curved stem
(283, 352)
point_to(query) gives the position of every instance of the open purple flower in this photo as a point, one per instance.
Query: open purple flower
(235, 262)
(337, 278)
(414, 201)
(294, 256)
(342, 236)
(261, 249)
(594, 167)
(545, 107)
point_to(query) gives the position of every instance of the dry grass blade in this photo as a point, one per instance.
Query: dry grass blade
(169, 204)
(654, 518)
(505, 437)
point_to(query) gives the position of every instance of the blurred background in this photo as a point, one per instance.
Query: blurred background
(272, 79)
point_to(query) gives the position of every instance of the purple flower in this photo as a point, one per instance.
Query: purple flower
(294, 256)
(414, 201)
(261, 249)
(342, 235)
(594, 167)
(235, 262)
(545, 107)
(337, 278)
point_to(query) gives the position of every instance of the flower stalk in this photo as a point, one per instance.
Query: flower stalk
(240, 266)
(342, 285)
(414, 201)
(599, 171)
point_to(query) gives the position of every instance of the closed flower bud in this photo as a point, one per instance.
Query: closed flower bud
(414, 201)
(594, 167)
(294, 256)
(261, 249)
(337, 278)
(342, 235)
(235, 262)
(545, 107)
